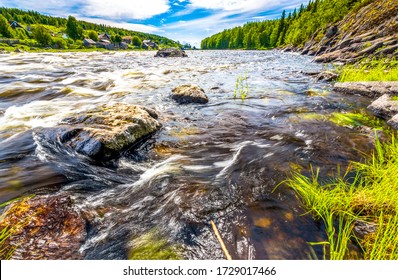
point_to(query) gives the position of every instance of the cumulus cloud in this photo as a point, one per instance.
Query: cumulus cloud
(125, 9)
(110, 9)
(123, 24)
(241, 5)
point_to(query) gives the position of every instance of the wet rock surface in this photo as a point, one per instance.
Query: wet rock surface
(386, 93)
(362, 228)
(369, 89)
(393, 122)
(171, 52)
(109, 129)
(185, 94)
(385, 107)
(327, 76)
(49, 227)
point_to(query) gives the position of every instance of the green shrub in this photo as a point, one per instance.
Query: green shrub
(59, 43)
(42, 36)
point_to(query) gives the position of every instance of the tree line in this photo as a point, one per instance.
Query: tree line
(294, 28)
(80, 29)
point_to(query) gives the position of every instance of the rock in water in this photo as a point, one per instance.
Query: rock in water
(44, 227)
(108, 130)
(185, 94)
(171, 52)
(369, 89)
(327, 76)
(385, 107)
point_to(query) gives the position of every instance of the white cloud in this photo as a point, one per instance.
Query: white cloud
(122, 24)
(227, 5)
(125, 9)
(110, 9)
(241, 5)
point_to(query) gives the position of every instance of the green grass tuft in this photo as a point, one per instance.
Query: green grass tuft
(241, 87)
(370, 70)
(6, 250)
(367, 191)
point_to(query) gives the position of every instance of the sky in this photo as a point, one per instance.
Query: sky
(188, 21)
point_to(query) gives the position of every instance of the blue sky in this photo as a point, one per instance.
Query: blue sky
(183, 20)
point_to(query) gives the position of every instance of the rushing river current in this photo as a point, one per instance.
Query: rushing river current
(217, 162)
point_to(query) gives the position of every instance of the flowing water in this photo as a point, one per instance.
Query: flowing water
(220, 161)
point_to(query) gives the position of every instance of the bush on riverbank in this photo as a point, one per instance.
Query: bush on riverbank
(367, 193)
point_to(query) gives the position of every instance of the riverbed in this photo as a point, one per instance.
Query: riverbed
(222, 161)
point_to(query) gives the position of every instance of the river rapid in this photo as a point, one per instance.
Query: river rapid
(221, 161)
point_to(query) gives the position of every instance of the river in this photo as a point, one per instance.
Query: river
(221, 161)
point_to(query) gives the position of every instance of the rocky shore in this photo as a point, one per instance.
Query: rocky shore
(370, 32)
(385, 94)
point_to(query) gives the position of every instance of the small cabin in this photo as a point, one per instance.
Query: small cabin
(89, 43)
(15, 25)
(149, 43)
(123, 45)
(106, 45)
(104, 37)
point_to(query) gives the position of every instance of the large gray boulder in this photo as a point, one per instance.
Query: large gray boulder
(108, 130)
(171, 52)
(185, 94)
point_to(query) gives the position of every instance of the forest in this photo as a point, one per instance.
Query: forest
(294, 28)
(36, 28)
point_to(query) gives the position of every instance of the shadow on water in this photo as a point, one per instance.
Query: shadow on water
(218, 162)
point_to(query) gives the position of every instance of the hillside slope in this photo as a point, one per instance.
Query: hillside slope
(371, 31)
(56, 26)
(332, 30)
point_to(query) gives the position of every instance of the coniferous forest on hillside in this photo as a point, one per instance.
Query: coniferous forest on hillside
(293, 28)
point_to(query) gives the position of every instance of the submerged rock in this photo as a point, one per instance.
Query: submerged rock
(47, 226)
(171, 52)
(327, 76)
(109, 129)
(185, 94)
(369, 89)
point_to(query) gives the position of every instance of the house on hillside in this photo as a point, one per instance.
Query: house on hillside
(149, 43)
(106, 45)
(105, 37)
(14, 25)
(127, 39)
(89, 43)
(123, 45)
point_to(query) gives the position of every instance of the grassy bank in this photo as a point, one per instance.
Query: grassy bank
(366, 194)
(370, 70)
